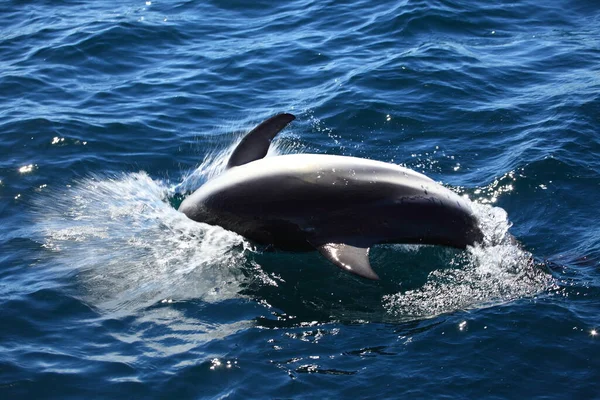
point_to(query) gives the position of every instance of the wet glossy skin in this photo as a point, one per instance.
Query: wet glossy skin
(296, 202)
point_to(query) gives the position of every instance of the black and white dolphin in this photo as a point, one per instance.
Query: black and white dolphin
(338, 205)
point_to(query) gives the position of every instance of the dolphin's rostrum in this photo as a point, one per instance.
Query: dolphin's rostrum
(338, 205)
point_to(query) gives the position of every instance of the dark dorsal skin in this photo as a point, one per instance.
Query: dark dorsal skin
(255, 144)
(338, 205)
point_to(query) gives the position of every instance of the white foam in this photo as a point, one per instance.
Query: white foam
(130, 248)
(494, 273)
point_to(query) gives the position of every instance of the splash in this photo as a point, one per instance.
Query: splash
(130, 248)
(215, 160)
(212, 165)
(497, 271)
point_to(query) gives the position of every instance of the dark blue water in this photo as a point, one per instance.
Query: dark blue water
(112, 112)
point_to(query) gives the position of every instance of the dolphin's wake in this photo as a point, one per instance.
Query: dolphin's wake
(129, 248)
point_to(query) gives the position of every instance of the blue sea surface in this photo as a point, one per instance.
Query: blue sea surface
(112, 112)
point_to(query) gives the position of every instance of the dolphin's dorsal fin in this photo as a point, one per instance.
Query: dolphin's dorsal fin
(255, 144)
(349, 258)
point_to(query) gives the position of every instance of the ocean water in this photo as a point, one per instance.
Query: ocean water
(112, 112)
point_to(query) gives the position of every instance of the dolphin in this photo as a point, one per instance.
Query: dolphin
(338, 205)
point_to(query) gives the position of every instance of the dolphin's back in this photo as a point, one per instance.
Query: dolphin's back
(320, 181)
(339, 205)
(322, 196)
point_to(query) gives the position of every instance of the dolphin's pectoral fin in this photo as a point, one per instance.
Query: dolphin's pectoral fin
(255, 144)
(353, 259)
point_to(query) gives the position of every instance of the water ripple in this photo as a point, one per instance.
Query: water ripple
(111, 113)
